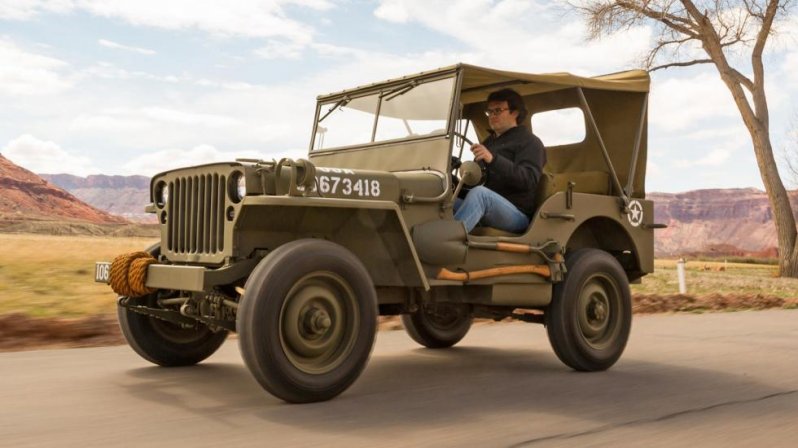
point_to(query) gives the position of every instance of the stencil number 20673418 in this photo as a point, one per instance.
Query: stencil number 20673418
(349, 187)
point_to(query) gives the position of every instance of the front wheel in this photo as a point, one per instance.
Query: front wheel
(590, 316)
(438, 325)
(164, 343)
(307, 320)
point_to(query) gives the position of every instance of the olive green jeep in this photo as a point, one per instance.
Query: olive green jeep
(299, 257)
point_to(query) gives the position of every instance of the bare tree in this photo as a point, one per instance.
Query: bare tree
(722, 33)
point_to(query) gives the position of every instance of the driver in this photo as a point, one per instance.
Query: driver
(514, 159)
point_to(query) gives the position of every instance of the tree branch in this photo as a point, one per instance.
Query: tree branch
(744, 80)
(693, 11)
(682, 64)
(767, 26)
(661, 44)
(674, 22)
(760, 102)
(734, 41)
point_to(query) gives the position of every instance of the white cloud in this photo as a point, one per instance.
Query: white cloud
(359, 67)
(111, 44)
(715, 158)
(46, 157)
(682, 103)
(25, 73)
(167, 159)
(173, 116)
(725, 135)
(786, 34)
(234, 116)
(789, 68)
(280, 50)
(108, 124)
(520, 35)
(27, 9)
(251, 18)
(140, 119)
(392, 11)
(107, 70)
(338, 51)
(653, 170)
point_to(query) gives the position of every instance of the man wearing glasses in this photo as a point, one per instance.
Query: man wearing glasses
(514, 160)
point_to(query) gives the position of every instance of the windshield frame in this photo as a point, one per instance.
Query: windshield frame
(382, 90)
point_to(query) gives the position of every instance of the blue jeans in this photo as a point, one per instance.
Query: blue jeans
(484, 206)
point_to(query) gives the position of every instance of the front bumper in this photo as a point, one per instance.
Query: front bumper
(190, 278)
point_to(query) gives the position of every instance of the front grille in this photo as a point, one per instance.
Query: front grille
(195, 219)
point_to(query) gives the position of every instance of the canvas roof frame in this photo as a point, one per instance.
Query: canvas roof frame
(629, 88)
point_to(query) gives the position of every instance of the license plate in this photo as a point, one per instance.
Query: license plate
(102, 271)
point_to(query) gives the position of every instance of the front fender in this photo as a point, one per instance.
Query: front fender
(373, 230)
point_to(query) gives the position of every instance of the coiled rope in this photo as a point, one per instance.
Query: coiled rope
(129, 274)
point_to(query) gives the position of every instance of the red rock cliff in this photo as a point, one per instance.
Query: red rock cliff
(25, 195)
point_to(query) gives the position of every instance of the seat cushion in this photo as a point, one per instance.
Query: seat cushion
(491, 231)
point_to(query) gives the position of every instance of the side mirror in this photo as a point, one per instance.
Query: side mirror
(470, 173)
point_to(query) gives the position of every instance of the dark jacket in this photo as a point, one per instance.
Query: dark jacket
(518, 160)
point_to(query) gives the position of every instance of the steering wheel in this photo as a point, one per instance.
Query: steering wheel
(456, 162)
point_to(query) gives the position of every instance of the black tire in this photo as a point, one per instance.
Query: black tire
(307, 320)
(439, 325)
(590, 316)
(164, 343)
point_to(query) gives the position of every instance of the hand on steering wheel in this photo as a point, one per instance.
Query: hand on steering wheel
(459, 162)
(470, 143)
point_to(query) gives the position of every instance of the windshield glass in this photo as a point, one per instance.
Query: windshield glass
(412, 110)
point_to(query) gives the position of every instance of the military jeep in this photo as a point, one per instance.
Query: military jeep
(299, 257)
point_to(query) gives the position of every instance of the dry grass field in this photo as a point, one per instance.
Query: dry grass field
(717, 277)
(49, 276)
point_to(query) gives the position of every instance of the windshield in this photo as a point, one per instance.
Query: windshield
(410, 110)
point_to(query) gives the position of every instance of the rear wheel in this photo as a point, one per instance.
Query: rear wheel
(438, 325)
(307, 320)
(590, 316)
(165, 343)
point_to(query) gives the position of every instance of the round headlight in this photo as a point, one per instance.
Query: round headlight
(161, 194)
(241, 186)
(237, 186)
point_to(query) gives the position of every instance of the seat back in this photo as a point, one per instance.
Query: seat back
(593, 182)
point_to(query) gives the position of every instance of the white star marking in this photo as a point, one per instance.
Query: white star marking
(635, 213)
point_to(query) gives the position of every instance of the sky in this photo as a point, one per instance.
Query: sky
(141, 86)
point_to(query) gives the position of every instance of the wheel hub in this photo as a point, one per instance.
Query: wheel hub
(316, 321)
(597, 310)
(318, 327)
(595, 314)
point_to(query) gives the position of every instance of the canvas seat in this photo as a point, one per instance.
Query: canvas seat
(492, 231)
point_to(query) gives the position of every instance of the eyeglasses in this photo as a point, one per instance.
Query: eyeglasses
(495, 112)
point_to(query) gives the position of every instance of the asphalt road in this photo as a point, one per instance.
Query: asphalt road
(726, 379)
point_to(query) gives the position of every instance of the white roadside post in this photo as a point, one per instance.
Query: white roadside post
(680, 274)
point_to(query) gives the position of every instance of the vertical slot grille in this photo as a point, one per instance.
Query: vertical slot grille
(195, 223)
